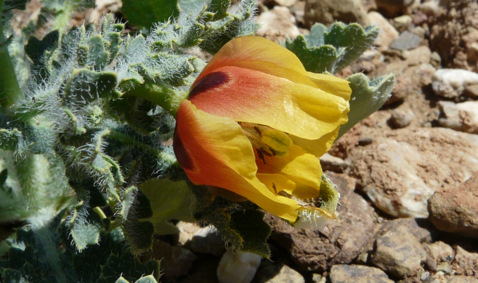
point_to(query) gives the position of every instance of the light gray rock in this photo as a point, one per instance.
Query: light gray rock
(208, 241)
(400, 170)
(459, 116)
(237, 267)
(277, 24)
(387, 32)
(399, 253)
(270, 272)
(186, 232)
(406, 41)
(455, 209)
(329, 11)
(402, 116)
(357, 274)
(451, 83)
(332, 163)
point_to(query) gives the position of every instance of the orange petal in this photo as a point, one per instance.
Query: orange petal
(214, 151)
(251, 96)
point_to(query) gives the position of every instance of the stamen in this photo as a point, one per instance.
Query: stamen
(267, 141)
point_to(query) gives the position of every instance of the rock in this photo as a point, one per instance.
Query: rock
(465, 263)
(298, 10)
(402, 116)
(341, 240)
(453, 34)
(398, 253)
(417, 56)
(435, 59)
(459, 116)
(421, 75)
(357, 274)
(403, 87)
(439, 254)
(405, 41)
(471, 91)
(455, 209)
(392, 8)
(175, 261)
(277, 273)
(402, 23)
(369, 5)
(451, 83)
(462, 279)
(431, 8)
(277, 24)
(332, 163)
(421, 234)
(237, 267)
(285, 3)
(401, 169)
(207, 240)
(329, 11)
(387, 32)
(203, 270)
(186, 232)
(102, 7)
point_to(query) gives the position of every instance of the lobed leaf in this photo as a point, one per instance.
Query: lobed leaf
(367, 97)
(331, 49)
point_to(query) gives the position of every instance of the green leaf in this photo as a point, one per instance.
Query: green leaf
(231, 26)
(85, 227)
(147, 12)
(146, 279)
(253, 230)
(9, 139)
(85, 85)
(331, 49)
(367, 97)
(328, 195)
(98, 55)
(319, 210)
(35, 48)
(35, 188)
(169, 200)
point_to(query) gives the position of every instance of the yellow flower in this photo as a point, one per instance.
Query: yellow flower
(255, 123)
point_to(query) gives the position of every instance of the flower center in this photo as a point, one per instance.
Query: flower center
(266, 140)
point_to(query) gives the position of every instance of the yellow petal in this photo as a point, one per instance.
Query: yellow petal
(299, 166)
(317, 147)
(331, 84)
(214, 151)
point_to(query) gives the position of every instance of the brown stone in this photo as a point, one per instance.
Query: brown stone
(339, 242)
(455, 209)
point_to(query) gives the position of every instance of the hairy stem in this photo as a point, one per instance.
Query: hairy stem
(160, 95)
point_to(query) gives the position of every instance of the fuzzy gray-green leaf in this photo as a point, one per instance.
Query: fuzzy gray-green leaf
(367, 97)
(331, 49)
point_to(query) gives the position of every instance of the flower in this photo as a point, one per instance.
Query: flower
(255, 123)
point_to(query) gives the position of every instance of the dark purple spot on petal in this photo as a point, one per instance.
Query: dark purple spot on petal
(181, 153)
(209, 81)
